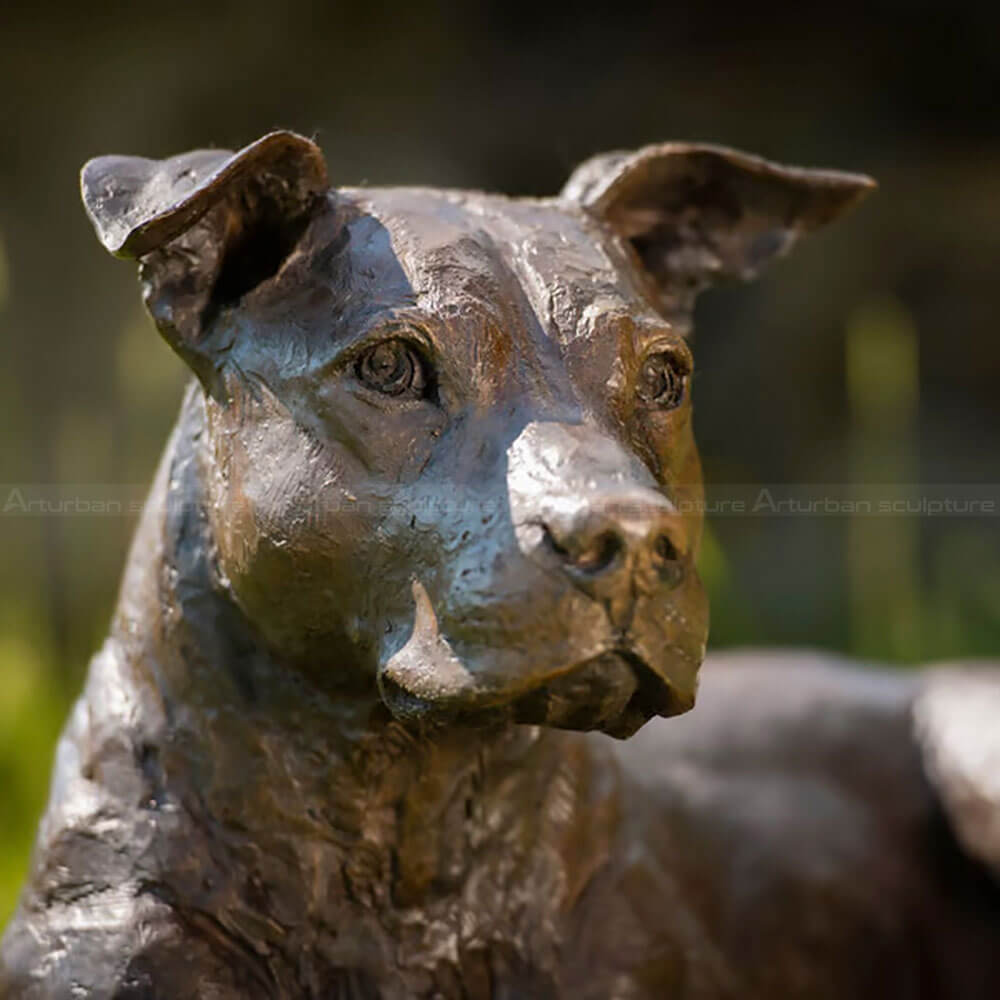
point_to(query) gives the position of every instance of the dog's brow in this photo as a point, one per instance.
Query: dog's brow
(379, 322)
(400, 323)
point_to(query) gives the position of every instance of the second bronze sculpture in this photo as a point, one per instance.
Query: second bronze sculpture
(422, 540)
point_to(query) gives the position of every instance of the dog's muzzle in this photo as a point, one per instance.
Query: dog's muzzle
(602, 629)
(615, 691)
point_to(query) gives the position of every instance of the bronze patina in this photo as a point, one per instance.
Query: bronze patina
(422, 540)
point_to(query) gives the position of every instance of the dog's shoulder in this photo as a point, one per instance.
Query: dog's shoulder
(60, 947)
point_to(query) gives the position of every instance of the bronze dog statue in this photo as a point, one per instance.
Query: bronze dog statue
(429, 515)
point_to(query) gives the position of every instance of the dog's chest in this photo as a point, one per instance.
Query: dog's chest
(408, 874)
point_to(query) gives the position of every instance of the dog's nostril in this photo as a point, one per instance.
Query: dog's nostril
(599, 554)
(665, 550)
(588, 556)
(667, 560)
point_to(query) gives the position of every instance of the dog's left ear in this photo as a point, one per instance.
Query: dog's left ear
(207, 226)
(697, 213)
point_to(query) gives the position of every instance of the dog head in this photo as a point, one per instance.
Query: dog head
(448, 443)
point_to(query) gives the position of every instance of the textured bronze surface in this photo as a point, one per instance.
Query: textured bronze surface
(423, 538)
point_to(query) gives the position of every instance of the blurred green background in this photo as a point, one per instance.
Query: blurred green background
(871, 356)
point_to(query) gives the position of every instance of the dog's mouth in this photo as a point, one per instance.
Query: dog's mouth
(615, 690)
(615, 693)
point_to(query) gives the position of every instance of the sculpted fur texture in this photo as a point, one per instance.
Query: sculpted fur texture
(381, 710)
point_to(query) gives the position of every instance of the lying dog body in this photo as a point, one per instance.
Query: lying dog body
(424, 536)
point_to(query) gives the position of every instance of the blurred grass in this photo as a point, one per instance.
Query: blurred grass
(32, 711)
(883, 393)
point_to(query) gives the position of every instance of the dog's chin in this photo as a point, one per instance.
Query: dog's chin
(615, 693)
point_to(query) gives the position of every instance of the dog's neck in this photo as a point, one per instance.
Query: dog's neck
(322, 798)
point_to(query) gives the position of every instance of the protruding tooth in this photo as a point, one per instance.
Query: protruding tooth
(426, 667)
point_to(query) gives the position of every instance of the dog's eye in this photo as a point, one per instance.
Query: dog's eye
(662, 379)
(394, 368)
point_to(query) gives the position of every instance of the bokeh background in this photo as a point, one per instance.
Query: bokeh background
(871, 356)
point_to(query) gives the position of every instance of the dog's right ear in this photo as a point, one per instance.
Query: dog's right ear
(207, 226)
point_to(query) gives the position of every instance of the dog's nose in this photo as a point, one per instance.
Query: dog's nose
(635, 533)
(582, 503)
